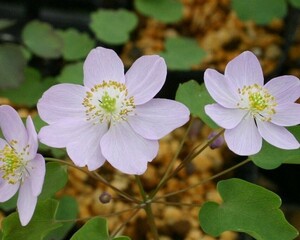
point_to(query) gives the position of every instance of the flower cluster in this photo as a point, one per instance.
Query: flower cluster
(250, 110)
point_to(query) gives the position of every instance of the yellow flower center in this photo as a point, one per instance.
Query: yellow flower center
(12, 165)
(108, 102)
(260, 103)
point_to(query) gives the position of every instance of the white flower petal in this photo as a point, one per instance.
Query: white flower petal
(277, 135)
(126, 150)
(84, 149)
(287, 114)
(158, 117)
(26, 203)
(244, 70)
(145, 78)
(62, 101)
(225, 117)
(244, 139)
(61, 133)
(102, 64)
(221, 90)
(285, 89)
(32, 138)
(12, 127)
(7, 190)
(37, 172)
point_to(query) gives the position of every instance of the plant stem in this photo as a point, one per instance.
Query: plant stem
(148, 208)
(96, 176)
(186, 160)
(204, 180)
(170, 166)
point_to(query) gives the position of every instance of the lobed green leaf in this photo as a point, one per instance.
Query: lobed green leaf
(167, 11)
(113, 26)
(270, 157)
(71, 73)
(41, 224)
(12, 65)
(247, 208)
(42, 39)
(261, 12)
(195, 97)
(181, 53)
(76, 45)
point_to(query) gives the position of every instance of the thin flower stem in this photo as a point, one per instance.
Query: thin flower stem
(148, 208)
(204, 180)
(113, 235)
(96, 176)
(170, 166)
(177, 203)
(186, 160)
(104, 215)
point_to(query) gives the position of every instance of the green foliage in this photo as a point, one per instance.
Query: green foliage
(12, 65)
(30, 91)
(67, 210)
(261, 12)
(295, 3)
(195, 97)
(55, 179)
(10, 204)
(246, 208)
(76, 45)
(95, 229)
(71, 73)
(42, 39)
(181, 53)
(40, 225)
(271, 157)
(167, 11)
(113, 26)
(5, 23)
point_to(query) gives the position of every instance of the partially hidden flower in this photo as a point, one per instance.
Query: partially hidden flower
(21, 167)
(112, 116)
(250, 111)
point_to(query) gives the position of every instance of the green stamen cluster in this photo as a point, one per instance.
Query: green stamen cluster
(108, 103)
(257, 101)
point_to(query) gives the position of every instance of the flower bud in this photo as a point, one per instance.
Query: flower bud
(105, 197)
(219, 141)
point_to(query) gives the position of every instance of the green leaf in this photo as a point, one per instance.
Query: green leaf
(55, 179)
(67, 210)
(5, 23)
(12, 65)
(246, 208)
(76, 45)
(262, 12)
(42, 39)
(95, 229)
(195, 97)
(113, 26)
(41, 223)
(271, 157)
(167, 11)
(181, 53)
(71, 73)
(295, 3)
(9, 205)
(30, 91)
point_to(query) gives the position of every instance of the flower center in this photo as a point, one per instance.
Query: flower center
(108, 102)
(260, 103)
(12, 166)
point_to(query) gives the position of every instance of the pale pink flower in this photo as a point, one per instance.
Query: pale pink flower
(113, 116)
(21, 167)
(250, 110)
